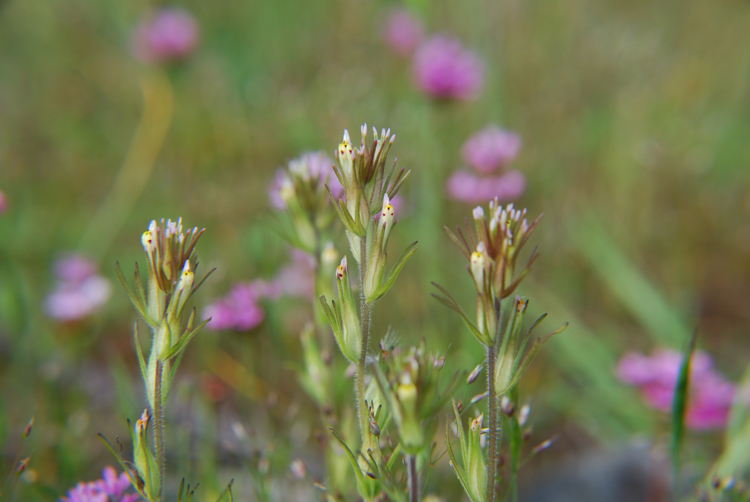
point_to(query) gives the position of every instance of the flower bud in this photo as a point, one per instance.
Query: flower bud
(480, 266)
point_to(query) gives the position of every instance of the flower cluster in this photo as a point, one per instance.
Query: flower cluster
(169, 34)
(111, 488)
(3, 202)
(172, 265)
(80, 290)
(445, 70)
(402, 32)
(408, 379)
(711, 396)
(488, 151)
(300, 190)
(492, 256)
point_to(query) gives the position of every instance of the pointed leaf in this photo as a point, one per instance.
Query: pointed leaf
(122, 463)
(449, 302)
(352, 458)
(226, 495)
(139, 352)
(408, 252)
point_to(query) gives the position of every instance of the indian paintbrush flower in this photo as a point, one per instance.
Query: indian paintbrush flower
(299, 189)
(408, 379)
(343, 317)
(172, 265)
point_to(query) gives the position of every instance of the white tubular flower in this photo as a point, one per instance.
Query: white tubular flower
(480, 264)
(345, 155)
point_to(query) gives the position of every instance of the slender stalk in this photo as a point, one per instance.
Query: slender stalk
(492, 409)
(515, 449)
(411, 465)
(365, 314)
(159, 427)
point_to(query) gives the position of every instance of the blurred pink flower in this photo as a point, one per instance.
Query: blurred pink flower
(3, 202)
(298, 278)
(468, 187)
(308, 165)
(445, 70)
(710, 398)
(239, 310)
(491, 148)
(111, 488)
(80, 290)
(169, 34)
(402, 32)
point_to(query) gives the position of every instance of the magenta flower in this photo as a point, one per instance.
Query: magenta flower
(80, 290)
(111, 488)
(491, 148)
(169, 34)
(445, 70)
(309, 165)
(468, 187)
(239, 310)
(710, 397)
(402, 32)
(3, 202)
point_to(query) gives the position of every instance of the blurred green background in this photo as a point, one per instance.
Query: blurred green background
(635, 119)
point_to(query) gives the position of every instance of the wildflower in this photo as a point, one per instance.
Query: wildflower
(111, 488)
(310, 166)
(468, 187)
(402, 32)
(298, 278)
(3, 202)
(239, 310)
(490, 149)
(169, 34)
(80, 291)
(656, 376)
(408, 380)
(300, 190)
(445, 70)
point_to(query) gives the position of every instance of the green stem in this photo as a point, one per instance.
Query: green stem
(159, 427)
(411, 463)
(515, 448)
(365, 314)
(492, 409)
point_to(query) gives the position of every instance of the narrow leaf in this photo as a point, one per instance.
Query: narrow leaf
(679, 405)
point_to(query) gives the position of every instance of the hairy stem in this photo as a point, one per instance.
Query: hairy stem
(411, 465)
(365, 314)
(492, 409)
(159, 427)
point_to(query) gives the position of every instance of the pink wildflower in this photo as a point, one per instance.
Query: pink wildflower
(710, 397)
(445, 70)
(298, 278)
(468, 187)
(169, 34)
(402, 32)
(111, 488)
(239, 310)
(80, 291)
(491, 148)
(3, 202)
